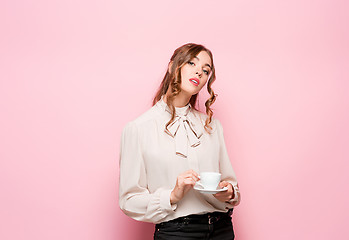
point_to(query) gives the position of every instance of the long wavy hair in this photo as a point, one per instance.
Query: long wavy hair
(172, 78)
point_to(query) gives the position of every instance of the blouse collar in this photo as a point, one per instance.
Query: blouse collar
(179, 110)
(184, 129)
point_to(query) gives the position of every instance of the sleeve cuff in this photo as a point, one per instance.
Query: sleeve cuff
(236, 195)
(236, 191)
(165, 201)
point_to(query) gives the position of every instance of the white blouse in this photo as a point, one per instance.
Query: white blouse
(151, 158)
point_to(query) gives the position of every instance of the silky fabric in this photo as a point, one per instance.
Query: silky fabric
(183, 129)
(149, 164)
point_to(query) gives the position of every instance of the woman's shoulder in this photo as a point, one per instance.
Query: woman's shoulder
(143, 119)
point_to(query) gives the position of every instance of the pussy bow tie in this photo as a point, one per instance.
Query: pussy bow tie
(182, 129)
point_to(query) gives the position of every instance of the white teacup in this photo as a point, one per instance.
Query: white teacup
(209, 180)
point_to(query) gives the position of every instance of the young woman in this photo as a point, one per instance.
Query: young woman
(164, 150)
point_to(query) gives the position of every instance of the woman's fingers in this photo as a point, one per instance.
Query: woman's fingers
(190, 173)
(189, 181)
(226, 195)
(193, 173)
(185, 181)
(224, 184)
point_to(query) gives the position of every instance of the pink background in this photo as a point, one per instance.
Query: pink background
(73, 73)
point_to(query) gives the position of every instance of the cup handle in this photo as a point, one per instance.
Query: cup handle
(200, 184)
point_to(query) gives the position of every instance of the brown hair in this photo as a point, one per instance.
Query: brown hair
(172, 78)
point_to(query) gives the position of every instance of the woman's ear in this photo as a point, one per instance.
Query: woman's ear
(170, 66)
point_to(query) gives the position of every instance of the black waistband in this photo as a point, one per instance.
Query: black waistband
(207, 218)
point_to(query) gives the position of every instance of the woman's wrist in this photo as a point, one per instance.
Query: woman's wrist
(173, 199)
(232, 193)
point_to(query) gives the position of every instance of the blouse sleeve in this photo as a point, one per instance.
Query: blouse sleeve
(135, 200)
(226, 168)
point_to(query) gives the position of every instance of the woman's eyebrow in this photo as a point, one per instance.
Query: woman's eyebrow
(205, 64)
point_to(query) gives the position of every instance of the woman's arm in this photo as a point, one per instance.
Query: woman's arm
(226, 169)
(135, 200)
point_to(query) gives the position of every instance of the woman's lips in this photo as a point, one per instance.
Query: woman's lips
(195, 81)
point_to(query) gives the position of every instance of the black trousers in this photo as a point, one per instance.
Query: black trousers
(216, 226)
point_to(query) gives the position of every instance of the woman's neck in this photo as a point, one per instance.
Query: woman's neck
(181, 100)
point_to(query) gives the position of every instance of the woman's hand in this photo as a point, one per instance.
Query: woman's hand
(184, 183)
(226, 195)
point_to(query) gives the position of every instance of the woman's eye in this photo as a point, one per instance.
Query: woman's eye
(205, 71)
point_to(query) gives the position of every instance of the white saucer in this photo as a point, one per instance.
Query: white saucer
(209, 191)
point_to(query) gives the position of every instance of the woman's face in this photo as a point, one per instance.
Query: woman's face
(195, 73)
